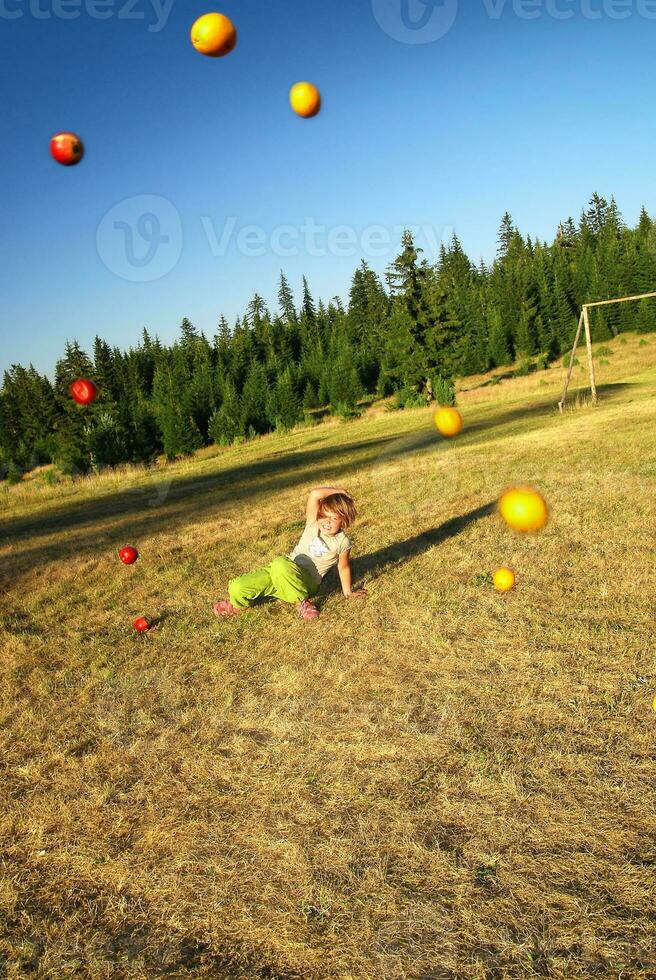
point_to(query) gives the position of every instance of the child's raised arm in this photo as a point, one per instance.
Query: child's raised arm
(314, 499)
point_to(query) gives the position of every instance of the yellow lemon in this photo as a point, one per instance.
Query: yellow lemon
(305, 99)
(503, 579)
(524, 509)
(213, 35)
(448, 421)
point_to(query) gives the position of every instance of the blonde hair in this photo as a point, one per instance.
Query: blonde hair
(338, 505)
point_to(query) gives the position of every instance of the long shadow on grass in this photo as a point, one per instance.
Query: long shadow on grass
(233, 482)
(371, 566)
(170, 504)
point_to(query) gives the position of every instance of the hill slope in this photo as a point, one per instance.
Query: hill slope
(435, 781)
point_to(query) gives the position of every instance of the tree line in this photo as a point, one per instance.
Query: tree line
(409, 334)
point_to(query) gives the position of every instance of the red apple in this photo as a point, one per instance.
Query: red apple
(67, 149)
(83, 391)
(141, 625)
(128, 555)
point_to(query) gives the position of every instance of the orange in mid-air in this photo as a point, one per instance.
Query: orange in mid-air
(214, 35)
(524, 509)
(503, 579)
(448, 421)
(305, 99)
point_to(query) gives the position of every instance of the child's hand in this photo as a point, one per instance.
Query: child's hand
(356, 593)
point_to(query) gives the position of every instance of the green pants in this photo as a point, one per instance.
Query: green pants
(281, 579)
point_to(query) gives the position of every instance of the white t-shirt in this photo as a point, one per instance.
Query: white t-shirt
(317, 551)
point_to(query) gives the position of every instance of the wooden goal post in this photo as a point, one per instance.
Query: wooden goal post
(584, 321)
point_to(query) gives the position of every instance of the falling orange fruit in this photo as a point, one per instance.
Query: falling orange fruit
(524, 509)
(503, 579)
(305, 99)
(214, 35)
(448, 421)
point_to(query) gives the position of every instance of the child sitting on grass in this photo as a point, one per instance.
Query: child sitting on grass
(296, 577)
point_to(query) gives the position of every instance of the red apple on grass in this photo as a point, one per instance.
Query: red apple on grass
(83, 391)
(67, 149)
(128, 555)
(141, 625)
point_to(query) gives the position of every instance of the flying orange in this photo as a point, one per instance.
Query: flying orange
(305, 99)
(524, 509)
(214, 35)
(448, 421)
(503, 579)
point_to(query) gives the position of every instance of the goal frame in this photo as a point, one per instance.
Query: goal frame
(584, 321)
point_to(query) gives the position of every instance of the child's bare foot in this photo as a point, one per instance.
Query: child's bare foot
(225, 608)
(307, 609)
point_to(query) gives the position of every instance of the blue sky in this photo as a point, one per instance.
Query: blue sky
(517, 106)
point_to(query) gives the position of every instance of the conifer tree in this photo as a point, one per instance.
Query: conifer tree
(283, 408)
(344, 387)
(222, 351)
(597, 214)
(199, 396)
(189, 337)
(446, 342)
(106, 439)
(171, 394)
(399, 367)
(226, 423)
(257, 317)
(243, 352)
(104, 373)
(286, 300)
(254, 400)
(529, 326)
(144, 358)
(310, 399)
(412, 282)
(506, 236)
(71, 450)
(308, 310)
(310, 339)
(367, 322)
(501, 349)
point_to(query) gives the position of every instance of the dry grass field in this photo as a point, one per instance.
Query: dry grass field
(436, 781)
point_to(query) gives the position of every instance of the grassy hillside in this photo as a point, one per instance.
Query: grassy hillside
(433, 782)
